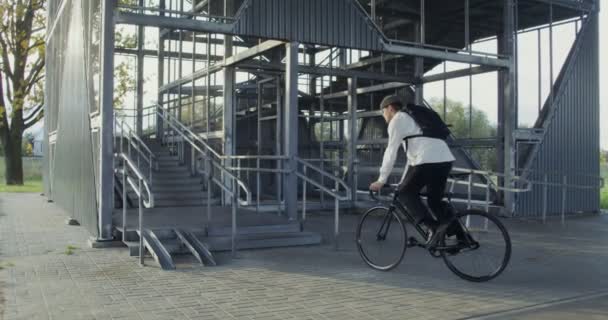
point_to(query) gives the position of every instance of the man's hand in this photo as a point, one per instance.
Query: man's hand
(376, 186)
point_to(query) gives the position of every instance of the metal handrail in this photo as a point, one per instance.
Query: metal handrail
(135, 136)
(141, 182)
(127, 132)
(133, 168)
(334, 193)
(195, 142)
(326, 175)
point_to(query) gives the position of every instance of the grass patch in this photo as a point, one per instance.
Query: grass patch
(6, 265)
(32, 176)
(69, 250)
(604, 191)
(28, 186)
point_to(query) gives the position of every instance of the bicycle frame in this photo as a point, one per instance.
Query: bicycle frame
(397, 206)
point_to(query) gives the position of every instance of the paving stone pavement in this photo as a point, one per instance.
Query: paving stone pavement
(40, 280)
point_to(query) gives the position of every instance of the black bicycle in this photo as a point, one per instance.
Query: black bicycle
(474, 245)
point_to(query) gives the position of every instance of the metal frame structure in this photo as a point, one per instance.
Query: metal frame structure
(276, 93)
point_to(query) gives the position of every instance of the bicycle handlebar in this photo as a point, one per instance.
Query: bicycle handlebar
(374, 195)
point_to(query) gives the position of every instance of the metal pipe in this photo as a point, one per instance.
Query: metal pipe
(124, 203)
(564, 185)
(488, 197)
(545, 195)
(234, 205)
(469, 189)
(336, 222)
(257, 190)
(304, 196)
(141, 225)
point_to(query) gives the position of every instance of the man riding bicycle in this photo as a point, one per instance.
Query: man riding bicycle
(429, 162)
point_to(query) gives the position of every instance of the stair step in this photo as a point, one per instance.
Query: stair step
(172, 174)
(166, 158)
(178, 188)
(173, 195)
(184, 203)
(180, 195)
(171, 168)
(161, 234)
(168, 180)
(257, 241)
(252, 230)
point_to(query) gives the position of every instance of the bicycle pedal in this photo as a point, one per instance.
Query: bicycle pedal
(412, 242)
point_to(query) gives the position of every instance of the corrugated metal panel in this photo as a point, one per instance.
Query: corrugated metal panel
(339, 23)
(571, 143)
(71, 172)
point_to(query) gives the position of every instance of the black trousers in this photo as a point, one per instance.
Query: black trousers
(433, 177)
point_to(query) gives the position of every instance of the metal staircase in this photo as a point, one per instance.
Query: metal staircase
(181, 211)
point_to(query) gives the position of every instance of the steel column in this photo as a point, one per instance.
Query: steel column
(507, 104)
(106, 143)
(291, 130)
(352, 137)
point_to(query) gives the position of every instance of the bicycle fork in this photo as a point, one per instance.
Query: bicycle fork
(386, 224)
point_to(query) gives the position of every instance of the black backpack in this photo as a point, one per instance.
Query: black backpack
(429, 122)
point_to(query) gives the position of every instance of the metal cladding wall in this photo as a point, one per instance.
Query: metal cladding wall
(70, 171)
(571, 144)
(340, 23)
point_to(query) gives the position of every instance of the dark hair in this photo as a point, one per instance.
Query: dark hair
(392, 100)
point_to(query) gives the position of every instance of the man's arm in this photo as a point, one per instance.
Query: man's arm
(390, 154)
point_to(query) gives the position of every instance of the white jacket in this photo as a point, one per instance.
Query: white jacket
(421, 149)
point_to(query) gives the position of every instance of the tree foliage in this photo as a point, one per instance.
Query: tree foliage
(22, 58)
(457, 115)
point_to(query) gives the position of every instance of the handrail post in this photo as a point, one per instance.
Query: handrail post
(469, 191)
(488, 197)
(336, 222)
(336, 213)
(564, 200)
(545, 196)
(304, 195)
(209, 190)
(141, 223)
(257, 189)
(234, 202)
(124, 202)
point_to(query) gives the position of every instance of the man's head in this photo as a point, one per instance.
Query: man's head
(390, 105)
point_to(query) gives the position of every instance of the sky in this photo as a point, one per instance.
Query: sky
(485, 86)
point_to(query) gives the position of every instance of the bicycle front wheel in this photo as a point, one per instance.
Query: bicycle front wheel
(381, 238)
(476, 246)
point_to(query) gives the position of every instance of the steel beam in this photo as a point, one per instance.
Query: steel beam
(106, 143)
(322, 71)
(247, 54)
(365, 90)
(417, 51)
(458, 73)
(172, 54)
(372, 61)
(173, 23)
(291, 131)
(573, 4)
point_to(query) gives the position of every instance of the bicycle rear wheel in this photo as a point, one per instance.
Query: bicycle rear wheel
(381, 238)
(481, 252)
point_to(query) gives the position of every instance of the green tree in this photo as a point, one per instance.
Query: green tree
(457, 115)
(22, 57)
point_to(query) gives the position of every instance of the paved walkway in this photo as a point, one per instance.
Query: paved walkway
(554, 272)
